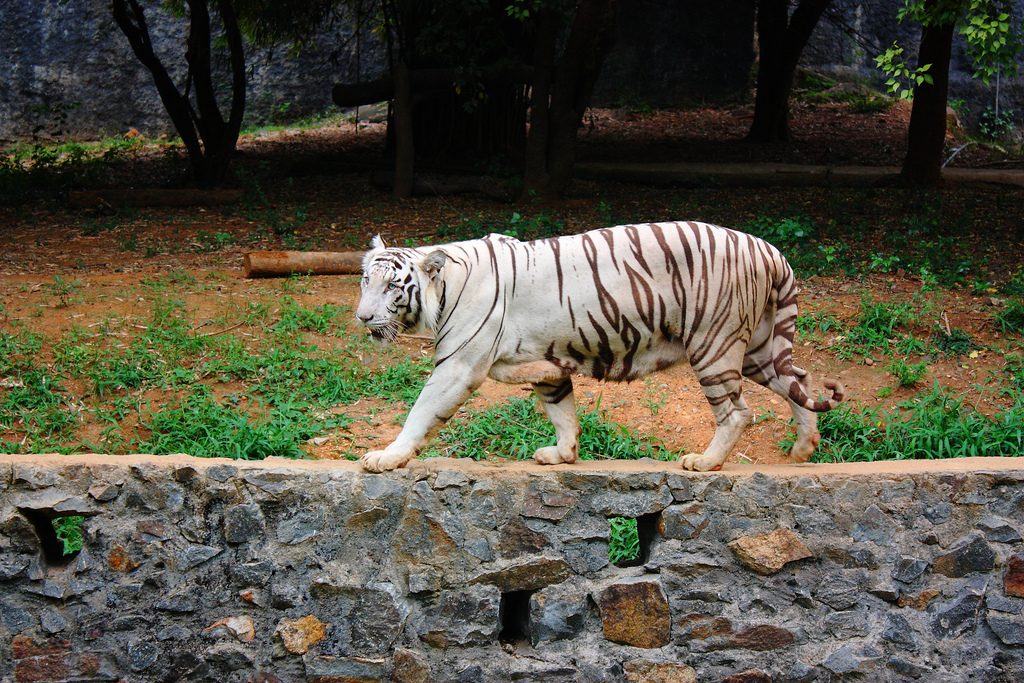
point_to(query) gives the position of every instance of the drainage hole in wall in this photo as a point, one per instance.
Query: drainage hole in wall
(514, 615)
(60, 538)
(630, 539)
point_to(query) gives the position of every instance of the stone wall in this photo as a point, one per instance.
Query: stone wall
(69, 59)
(453, 571)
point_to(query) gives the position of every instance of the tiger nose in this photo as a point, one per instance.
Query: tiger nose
(364, 317)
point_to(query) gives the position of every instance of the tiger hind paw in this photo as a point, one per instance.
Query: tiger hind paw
(699, 462)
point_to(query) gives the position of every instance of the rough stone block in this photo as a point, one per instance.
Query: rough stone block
(955, 617)
(908, 569)
(243, 523)
(840, 592)
(1009, 629)
(851, 660)
(195, 555)
(556, 613)
(632, 503)
(748, 676)
(873, 525)
(298, 635)
(515, 539)
(762, 637)
(461, 618)
(543, 501)
(1013, 579)
(900, 632)
(410, 667)
(377, 620)
(636, 613)
(683, 522)
(526, 576)
(302, 526)
(759, 488)
(968, 555)
(998, 530)
(241, 628)
(645, 671)
(324, 669)
(769, 553)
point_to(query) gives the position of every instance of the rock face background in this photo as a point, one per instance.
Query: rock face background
(68, 69)
(70, 59)
(282, 571)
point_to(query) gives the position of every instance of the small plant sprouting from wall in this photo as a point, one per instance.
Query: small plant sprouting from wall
(623, 540)
(69, 532)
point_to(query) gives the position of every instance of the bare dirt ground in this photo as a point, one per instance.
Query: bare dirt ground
(107, 252)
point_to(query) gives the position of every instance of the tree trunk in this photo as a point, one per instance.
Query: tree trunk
(405, 149)
(208, 138)
(781, 41)
(590, 38)
(926, 136)
(535, 165)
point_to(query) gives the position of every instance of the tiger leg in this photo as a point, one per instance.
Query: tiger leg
(446, 389)
(560, 406)
(759, 366)
(722, 383)
(807, 434)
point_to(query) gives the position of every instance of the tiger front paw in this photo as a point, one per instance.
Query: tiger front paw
(550, 455)
(699, 462)
(384, 461)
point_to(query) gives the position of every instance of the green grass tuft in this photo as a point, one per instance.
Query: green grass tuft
(935, 424)
(623, 540)
(1011, 318)
(516, 429)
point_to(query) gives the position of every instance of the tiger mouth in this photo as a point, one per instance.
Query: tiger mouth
(386, 332)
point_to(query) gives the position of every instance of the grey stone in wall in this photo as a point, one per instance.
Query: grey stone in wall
(451, 571)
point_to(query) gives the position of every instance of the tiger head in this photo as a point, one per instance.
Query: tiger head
(398, 290)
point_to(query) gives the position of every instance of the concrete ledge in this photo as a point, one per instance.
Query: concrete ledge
(517, 466)
(214, 569)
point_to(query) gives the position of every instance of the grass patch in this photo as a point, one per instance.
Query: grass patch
(156, 384)
(935, 424)
(1011, 318)
(878, 330)
(516, 429)
(908, 374)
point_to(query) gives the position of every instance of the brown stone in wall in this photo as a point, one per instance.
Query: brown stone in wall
(1013, 579)
(919, 601)
(769, 553)
(527, 576)
(516, 539)
(762, 637)
(643, 671)
(635, 613)
(298, 635)
(748, 676)
(410, 667)
(120, 561)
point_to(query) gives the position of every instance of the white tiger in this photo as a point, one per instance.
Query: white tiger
(614, 303)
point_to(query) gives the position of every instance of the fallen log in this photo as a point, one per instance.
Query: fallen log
(285, 263)
(89, 199)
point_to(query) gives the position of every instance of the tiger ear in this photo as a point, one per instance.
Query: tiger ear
(377, 242)
(433, 262)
